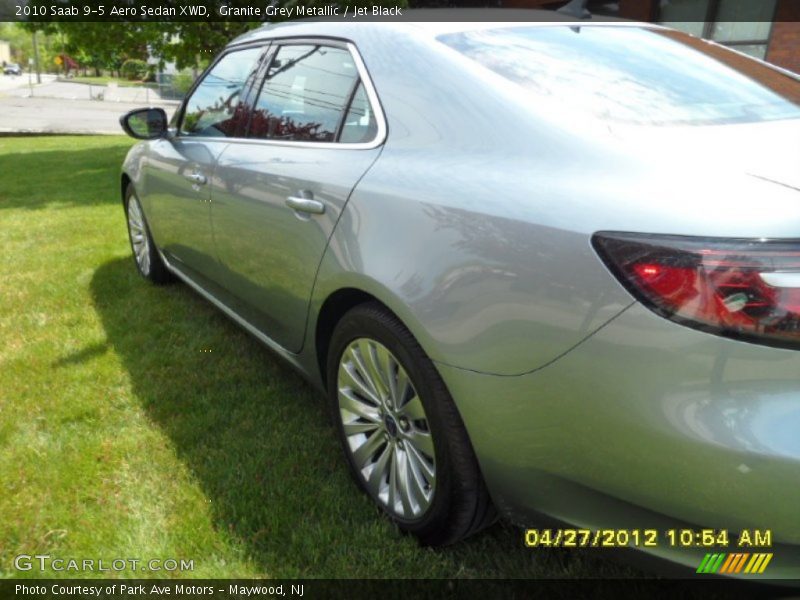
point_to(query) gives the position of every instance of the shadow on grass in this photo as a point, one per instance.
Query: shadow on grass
(81, 356)
(258, 440)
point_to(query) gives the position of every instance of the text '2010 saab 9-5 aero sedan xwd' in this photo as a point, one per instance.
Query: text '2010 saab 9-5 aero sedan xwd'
(539, 269)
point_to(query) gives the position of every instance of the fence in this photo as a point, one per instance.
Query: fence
(164, 90)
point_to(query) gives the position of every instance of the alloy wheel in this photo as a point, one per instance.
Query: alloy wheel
(138, 233)
(386, 429)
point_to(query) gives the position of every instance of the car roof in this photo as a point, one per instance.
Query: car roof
(430, 22)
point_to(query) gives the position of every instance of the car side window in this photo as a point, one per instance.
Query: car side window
(213, 108)
(359, 123)
(305, 94)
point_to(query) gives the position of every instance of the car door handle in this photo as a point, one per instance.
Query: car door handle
(197, 178)
(306, 205)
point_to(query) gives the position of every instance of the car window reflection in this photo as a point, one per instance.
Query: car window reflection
(304, 94)
(213, 109)
(634, 74)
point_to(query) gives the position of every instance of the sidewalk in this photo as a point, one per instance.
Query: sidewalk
(68, 90)
(10, 82)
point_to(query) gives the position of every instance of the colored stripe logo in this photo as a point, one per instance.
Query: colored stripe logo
(735, 562)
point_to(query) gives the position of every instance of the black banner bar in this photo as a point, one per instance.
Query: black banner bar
(385, 589)
(383, 10)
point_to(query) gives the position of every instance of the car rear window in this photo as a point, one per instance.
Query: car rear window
(634, 74)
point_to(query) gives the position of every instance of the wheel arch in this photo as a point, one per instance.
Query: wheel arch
(333, 308)
(344, 297)
(125, 181)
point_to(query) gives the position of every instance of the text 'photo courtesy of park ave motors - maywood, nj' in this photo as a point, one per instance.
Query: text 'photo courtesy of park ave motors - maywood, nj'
(160, 590)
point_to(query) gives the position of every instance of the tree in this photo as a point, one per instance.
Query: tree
(109, 44)
(105, 45)
(19, 40)
(190, 44)
(20, 37)
(195, 44)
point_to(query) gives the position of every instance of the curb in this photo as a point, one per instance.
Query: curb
(7, 133)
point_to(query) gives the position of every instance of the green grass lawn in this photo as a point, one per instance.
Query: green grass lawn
(121, 435)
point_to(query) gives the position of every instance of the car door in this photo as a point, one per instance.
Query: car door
(316, 127)
(180, 166)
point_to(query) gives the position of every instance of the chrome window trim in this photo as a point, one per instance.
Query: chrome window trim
(372, 96)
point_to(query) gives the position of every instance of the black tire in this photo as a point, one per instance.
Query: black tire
(148, 262)
(460, 504)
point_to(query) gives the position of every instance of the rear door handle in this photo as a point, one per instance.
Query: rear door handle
(306, 205)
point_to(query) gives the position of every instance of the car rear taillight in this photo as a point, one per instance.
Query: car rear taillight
(748, 289)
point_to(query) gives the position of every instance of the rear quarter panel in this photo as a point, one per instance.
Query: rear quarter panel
(456, 226)
(474, 225)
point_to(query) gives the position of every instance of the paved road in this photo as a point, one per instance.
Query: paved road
(66, 107)
(53, 115)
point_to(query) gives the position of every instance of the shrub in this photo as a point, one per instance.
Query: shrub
(182, 81)
(135, 69)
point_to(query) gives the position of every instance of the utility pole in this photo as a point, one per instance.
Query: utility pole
(36, 57)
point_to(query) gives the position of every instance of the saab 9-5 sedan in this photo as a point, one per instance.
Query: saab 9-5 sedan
(543, 269)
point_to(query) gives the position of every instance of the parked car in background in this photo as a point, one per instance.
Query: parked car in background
(545, 268)
(12, 69)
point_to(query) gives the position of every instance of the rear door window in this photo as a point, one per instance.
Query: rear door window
(306, 93)
(359, 124)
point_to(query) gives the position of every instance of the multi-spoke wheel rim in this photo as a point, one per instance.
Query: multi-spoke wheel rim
(386, 429)
(141, 248)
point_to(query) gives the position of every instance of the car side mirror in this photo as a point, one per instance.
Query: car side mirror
(145, 123)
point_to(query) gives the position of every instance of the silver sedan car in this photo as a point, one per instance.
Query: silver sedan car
(545, 269)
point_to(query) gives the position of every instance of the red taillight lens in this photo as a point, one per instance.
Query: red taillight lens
(739, 288)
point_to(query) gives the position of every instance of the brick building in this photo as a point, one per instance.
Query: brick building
(768, 29)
